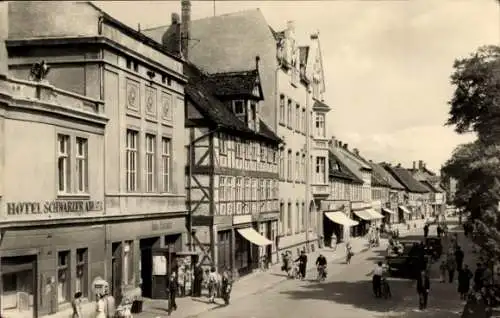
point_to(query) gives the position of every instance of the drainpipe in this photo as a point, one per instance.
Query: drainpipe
(308, 168)
(190, 174)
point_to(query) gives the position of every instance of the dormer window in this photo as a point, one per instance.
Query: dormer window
(253, 110)
(239, 107)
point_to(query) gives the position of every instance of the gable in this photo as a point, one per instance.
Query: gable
(315, 64)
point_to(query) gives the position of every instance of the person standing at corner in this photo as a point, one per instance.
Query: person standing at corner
(423, 287)
(302, 259)
(172, 292)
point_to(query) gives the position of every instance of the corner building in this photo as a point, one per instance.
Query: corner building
(101, 190)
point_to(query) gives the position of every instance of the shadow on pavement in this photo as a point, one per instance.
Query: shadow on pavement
(359, 294)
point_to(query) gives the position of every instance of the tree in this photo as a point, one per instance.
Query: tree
(475, 106)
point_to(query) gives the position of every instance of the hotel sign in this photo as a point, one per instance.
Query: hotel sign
(50, 207)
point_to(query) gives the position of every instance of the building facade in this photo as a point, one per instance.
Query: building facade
(233, 170)
(139, 169)
(437, 200)
(286, 71)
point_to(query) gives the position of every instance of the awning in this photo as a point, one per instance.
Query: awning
(375, 215)
(388, 211)
(340, 218)
(364, 214)
(254, 237)
(405, 210)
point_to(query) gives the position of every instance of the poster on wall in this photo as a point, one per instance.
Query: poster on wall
(159, 265)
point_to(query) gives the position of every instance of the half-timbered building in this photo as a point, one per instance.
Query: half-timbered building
(232, 182)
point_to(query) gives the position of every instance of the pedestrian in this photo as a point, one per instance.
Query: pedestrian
(464, 277)
(198, 281)
(423, 287)
(286, 263)
(172, 292)
(451, 267)
(333, 241)
(302, 259)
(459, 257)
(109, 304)
(478, 277)
(100, 306)
(77, 305)
(378, 271)
(212, 285)
(181, 280)
(442, 271)
(439, 230)
(426, 230)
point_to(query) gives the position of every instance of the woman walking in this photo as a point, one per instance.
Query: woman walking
(464, 277)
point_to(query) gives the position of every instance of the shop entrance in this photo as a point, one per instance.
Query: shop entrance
(19, 286)
(330, 230)
(146, 246)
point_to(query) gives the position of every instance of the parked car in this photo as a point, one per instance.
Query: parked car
(405, 262)
(434, 247)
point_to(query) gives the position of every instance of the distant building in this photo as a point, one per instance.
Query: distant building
(437, 202)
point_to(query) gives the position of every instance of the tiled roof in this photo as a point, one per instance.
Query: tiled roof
(379, 169)
(318, 105)
(346, 159)
(234, 83)
(214, 110)
(343, 171)
(406, 179)
(430, 186)
(378, 178)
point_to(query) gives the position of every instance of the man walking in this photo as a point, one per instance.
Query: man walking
(378, 271)
(302, 259)
(426, 230)
(172, 292)
(459, 257)
(423, 286)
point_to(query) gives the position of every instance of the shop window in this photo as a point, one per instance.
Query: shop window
(81, 281)
(63, 277)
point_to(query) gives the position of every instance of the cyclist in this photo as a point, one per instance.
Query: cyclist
(321, 265)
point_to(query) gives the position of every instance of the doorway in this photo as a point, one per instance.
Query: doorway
(19, 286)
(146, 246)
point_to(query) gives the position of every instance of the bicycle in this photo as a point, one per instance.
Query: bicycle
(348, 257)
(321, 273)
(385, 288)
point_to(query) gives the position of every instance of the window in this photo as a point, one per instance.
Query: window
(304, 121)
(239, 107)
(260, 190)
(263, 153)
(297, 167)
(81, 281)
(282, 108)
(254, 189)
(166, 145)
(150, 162)
(63, 165)
(289, 165)
(320, 125)
(297, 117)
(304, 218)
(63, 277)
(289, 218)
(128, 262)
(268, 190)
(282, 223)
(239, 148)
(82, 165)
(303, 168)
(238, 189)
(253, 111)
(229, 189)
(289, 113)
(315, 89)
(222, 144)
(248, 190)
(320, 170)
(298, 219)
(282, 163)
(131, 164)
(129, 64)
(136, 67)
(222, 189)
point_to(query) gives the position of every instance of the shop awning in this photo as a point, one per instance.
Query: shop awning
(340, 218)
(375, 215)
(254, 237)
(364, 214)
(405, 210)
(388, 211)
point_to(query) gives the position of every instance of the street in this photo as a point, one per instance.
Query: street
(347, 292)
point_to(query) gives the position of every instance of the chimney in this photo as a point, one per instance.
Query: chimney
(172, 41)
(399, 165)
(257, 61)
(414, 165)
(4, 33)
(290, 26)
(420, 165)
(186, 27)
(346, 146)
(356, 151)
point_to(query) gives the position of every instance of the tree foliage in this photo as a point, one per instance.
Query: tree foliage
(475, 106)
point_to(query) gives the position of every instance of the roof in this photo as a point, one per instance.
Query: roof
(384, 174)
(378, 178)
(353, 165)
(406, 179)
(202, 96)
(429, 186)
(235, 83)
(278, 35)
(319, 105)
(339, 170)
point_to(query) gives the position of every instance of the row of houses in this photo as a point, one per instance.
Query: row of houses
(124, 149)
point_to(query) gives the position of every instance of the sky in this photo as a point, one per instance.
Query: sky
(387, 63)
